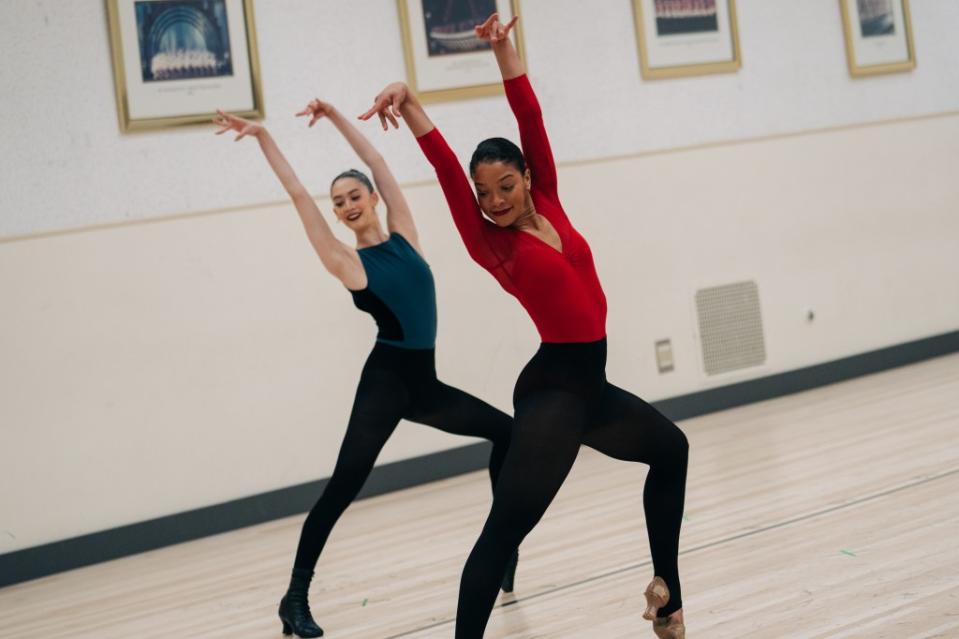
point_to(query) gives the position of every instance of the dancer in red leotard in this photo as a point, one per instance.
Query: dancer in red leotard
(562, 398)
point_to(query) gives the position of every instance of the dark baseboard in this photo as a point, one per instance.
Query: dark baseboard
(757, 390)
(39, 561)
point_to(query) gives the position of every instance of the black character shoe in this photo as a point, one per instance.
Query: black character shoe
(295, 608)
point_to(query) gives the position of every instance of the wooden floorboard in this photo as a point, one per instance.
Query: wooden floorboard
(830, 513)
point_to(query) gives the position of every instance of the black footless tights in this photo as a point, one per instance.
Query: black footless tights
(396, 384)
(562, 400)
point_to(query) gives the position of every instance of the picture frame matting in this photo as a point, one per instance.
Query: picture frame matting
(444, 60)
(176, 61)
(878, 36)
(691, 40)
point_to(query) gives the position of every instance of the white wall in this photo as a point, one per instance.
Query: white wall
(146, 369)
(66, 165)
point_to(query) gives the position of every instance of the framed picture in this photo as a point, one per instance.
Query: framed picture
(177, 61)
(444, 58)
(686, 37)
(878, 36)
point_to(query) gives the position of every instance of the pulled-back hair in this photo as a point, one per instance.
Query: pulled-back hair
(497, 150)
(356, 175)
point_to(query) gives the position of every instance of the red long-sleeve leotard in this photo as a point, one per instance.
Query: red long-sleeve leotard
(560, 291)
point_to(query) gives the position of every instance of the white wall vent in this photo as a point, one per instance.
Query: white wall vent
(730, 327)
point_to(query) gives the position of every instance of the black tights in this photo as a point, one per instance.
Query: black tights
(562, 400)
(396, 384)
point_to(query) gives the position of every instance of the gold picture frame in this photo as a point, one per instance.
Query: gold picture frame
(707, 43)
(452, 66)
(877, 46)
(159, 85)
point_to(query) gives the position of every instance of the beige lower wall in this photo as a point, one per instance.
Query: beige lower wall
(154, 368)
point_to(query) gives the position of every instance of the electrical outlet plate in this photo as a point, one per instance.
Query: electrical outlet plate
(664, 355)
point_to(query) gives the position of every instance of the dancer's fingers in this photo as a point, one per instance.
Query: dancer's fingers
(227, 119)
(373, 109)
(489, 21)
(503, 30)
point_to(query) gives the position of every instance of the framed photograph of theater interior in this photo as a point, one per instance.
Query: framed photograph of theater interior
(444, 58)
(878, 36)
(686, 37)
(177, 61)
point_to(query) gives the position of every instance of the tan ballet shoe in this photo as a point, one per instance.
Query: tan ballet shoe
(669, 628)
(657, 596)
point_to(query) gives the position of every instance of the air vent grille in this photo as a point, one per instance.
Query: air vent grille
(730, 327)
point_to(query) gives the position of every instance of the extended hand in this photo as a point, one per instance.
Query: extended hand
(493, 30)
(230, 122)
(387, 104)
(316, 109)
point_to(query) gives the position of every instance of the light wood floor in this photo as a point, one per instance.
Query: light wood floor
(827, 514)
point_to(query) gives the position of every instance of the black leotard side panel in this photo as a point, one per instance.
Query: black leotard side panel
(386, 320)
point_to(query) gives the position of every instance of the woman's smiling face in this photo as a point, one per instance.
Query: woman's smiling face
(502, 191)
(353, 203)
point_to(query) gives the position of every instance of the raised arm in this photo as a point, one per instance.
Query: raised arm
(337, 257)
(398, 215)
(523, 102)
(497, 34)
(397, 101)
